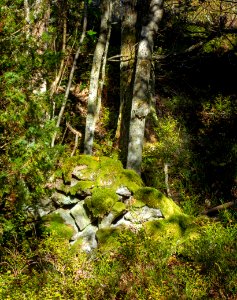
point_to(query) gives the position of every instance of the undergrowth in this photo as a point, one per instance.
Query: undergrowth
(136, 268)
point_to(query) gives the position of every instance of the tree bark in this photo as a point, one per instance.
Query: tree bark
(71, 73)
(141, 91)
(92, 108)
(127, 66)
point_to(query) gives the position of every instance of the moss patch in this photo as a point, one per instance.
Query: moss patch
(101, 201)
(177, 227)
(109, 171)
(130, 179)
(81, 186)
(118, 208)
(55, 224)
(68, 164)
(108, 238)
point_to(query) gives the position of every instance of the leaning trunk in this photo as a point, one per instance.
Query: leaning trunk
(141, 91)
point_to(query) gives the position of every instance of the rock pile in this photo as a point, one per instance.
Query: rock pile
(92, 194)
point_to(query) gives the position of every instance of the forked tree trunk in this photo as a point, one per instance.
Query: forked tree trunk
(141, 91)
(93, 107)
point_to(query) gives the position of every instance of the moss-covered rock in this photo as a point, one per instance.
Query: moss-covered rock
(82, 187)
(118, 209)
(131, 180)
(101, 201)
(176, 228)
(88, 167)
(109, 170)
(154, 198)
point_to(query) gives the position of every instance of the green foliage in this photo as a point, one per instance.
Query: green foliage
(171, 148)
(133, 266)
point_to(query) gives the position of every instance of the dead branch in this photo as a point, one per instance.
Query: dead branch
(216, 209)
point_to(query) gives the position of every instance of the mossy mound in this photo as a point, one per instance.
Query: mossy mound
(102, 171)
(101, 201)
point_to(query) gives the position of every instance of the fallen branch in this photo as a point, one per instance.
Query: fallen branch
(77, 135)
(216, 209)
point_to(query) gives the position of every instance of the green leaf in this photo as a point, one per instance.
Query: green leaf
(91, 32)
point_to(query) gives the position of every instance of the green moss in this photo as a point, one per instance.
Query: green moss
(118, 208)
(137, 203)
(68, 164)
(155, 199)
(130, 179)
(163, 229)
(108, 238)
(55, 224)
(109, 172)
(178, 227)
(101, 201)
(81, 186)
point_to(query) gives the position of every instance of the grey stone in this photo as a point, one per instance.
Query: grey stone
(123, 222)
(80, 215)
(68, 219)
(107, 220)
(88, 236)
(62, 199)
(43, 211)
(74, 181)
(45, 202)
(143, 214)
(123, 191)
(58, 184)
(128, 224)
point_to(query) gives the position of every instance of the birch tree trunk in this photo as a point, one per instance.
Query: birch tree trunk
(141, 91)
(92, 108)
(127, 66)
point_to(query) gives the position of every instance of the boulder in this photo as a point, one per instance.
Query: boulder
(68, 219)
(123, 191)
(63, 200)
(88, 238)
(143, 214)
(80, 215)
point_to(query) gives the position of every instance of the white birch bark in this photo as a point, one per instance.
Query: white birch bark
(92, 108)
(141, 90)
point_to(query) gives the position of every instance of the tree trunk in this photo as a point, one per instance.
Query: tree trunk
(35, 29)
(141, 91)
(127, 66)
(92, 108)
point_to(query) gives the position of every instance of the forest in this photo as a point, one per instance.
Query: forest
(118, 112)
